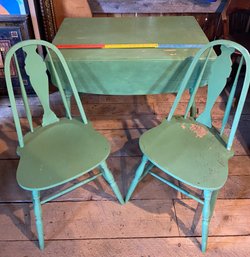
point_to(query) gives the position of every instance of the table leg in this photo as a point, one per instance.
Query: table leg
(68, 94)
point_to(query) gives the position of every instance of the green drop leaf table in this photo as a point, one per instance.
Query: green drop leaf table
(133, 71)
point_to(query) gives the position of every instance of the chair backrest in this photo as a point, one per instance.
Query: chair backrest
(36, 67)
(219, 72)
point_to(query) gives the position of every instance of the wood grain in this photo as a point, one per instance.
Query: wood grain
(236, 187)
(231, 217)
(132, 247)
(91, 219)
(157, 221)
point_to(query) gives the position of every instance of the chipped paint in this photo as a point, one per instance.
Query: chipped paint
(198, 130)
(183, 126)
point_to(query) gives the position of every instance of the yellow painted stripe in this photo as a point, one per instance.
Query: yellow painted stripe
(131, 46)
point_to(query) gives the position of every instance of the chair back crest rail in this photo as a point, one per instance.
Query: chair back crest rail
(36, 67)
(220, 71)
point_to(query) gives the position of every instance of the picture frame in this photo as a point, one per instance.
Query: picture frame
(13, 29)
(13, 7)
(48, 18)
(54, 11)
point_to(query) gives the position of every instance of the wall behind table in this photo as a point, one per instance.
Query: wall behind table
(206, 12)
(54, 11)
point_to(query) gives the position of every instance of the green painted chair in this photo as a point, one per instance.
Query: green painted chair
(59, 150)
(190, 149)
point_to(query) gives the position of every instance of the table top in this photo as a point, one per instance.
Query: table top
(128, 71)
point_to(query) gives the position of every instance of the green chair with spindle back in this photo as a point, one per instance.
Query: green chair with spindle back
(60, 150)
(190, 149)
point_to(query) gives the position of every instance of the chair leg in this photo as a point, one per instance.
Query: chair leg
(212, 202)
(38, 217)
(205, 218)
(110, 179)
(146, 170)
(137, 177)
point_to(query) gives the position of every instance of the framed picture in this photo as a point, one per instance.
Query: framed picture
(10, 36)
(48, 18)
(13, 7)
(54, 11)
(13, 29)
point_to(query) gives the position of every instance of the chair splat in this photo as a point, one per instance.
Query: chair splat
(36, 69)
(220, 71)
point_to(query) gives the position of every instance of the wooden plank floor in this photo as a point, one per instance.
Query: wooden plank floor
(158, 221)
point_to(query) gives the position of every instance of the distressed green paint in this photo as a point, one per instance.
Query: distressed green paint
(35, 68)
(200, 148)
(67, 146)
(130, 71)
(38, 217)
(110, 179)
(192, 151)
(212, 202)
(205, 218)
(61, 149)
(137, 177)
(220, 71)
(231, 98)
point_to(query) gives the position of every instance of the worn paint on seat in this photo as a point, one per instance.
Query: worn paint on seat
(189, 152)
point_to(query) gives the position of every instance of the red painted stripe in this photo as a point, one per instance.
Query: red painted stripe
(80, 46)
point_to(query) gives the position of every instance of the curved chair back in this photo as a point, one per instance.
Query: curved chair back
(37, 69)
(220, 71)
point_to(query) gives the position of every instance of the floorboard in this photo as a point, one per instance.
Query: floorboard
(157, 222)
(133, 247)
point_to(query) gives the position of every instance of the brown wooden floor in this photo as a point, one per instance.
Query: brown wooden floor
(158, 221)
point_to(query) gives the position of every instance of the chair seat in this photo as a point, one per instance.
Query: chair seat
(188, 151)
(58, 153)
